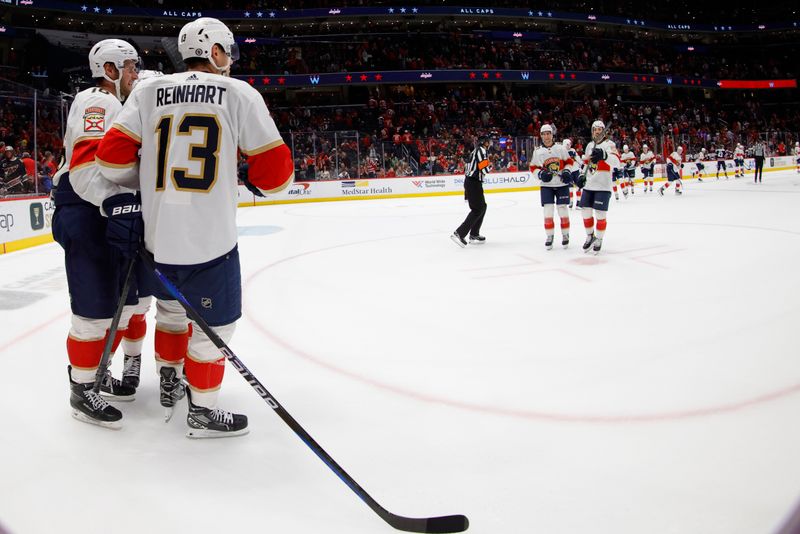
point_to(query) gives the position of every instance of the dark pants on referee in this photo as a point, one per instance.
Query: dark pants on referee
(759, 168)
(473, 192)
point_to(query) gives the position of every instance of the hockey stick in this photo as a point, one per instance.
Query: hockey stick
(112, 332)
(443, 524)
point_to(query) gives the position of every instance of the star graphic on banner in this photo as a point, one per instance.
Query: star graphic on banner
(530, 13)
(265, 80)
(391, 10)
(272, 14)
(109, 10)
(246, 13)
(472, 75)
(414, 10)
(485, 75)
(251, 81)
(97, 10)
(498, 75)
(378, 77)
(282, 81)
(84, 8)
(348, 78)
(363, 77)
(259, 14)
(402, 10)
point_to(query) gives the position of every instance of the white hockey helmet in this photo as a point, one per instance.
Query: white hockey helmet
(644, 146)
(680, 149)
(703, 149)
(197, 39)
(624, 148)
(598, 124)
(115, 51)
(612, 144)
(567, 143)
(545, 128)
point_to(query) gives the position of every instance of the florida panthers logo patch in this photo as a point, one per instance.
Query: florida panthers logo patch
(94, 120)
(552, 164)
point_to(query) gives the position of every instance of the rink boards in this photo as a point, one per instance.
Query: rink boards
(27, 222)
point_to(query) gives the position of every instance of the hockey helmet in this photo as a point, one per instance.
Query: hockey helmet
(567, 143)
(197, 39)
(624, 148)
(114, 51)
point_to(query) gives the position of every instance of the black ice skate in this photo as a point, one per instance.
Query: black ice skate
(89, 407)
(458, 240)
(477, 239)
(216, 423)
(130, 371)
(588, 243)
(678, 192)
(549, 243)
(661, 191)
(114, 390)
(598, 243)
(565, 240)
(172, 389)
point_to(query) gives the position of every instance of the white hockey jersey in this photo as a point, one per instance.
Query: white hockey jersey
(90, 117)
(675, 161)
(554, 159)
(738, 153)
(647, 159)
(598, 175)
(190, 128)
(628, 160)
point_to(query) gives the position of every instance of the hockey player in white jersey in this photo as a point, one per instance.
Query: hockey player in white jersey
(95, 270)
(600, 158)
(628, 160)
(797, 155)
(738, 161)
(674, 172)
(698, 165)
(189, 128)
(551, 164)
(647, 160)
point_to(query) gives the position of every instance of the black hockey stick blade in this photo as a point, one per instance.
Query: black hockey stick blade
(112, 332)
(443, 524)
(434, 525)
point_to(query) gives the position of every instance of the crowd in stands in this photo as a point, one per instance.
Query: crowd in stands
(427, 133)
(572, 51)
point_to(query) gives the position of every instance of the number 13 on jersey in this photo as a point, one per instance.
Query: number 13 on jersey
(205, 152)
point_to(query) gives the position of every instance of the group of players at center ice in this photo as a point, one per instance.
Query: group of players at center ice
(559, 168)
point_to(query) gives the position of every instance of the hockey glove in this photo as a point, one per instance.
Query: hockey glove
(580, 181)
(598, 154)
(246, 181)
(566, 177)
(125, 225)
(545, 176)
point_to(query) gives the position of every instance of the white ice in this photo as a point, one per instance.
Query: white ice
(652, 389)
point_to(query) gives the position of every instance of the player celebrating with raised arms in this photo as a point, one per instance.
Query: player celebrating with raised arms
(600, 157)
(551, 164)
(189, 128)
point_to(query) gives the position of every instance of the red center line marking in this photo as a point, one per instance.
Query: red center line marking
(33, 330)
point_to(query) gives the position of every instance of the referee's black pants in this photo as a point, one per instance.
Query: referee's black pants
(759, 168)
(473, 191)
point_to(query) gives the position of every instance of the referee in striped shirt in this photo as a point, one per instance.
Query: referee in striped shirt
(477, 167)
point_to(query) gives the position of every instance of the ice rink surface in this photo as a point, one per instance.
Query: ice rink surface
(653, 389)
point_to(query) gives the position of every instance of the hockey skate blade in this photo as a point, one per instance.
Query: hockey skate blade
(199, 433)
(168, 414)
(117, 398)
(82, 417)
